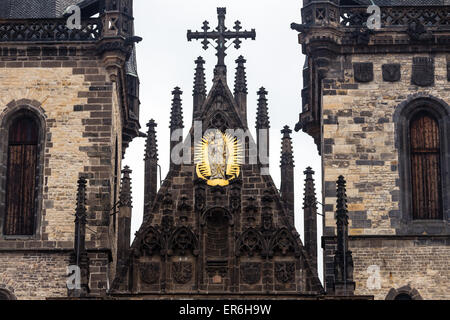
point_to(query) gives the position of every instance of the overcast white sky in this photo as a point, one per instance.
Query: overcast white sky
(274, 60)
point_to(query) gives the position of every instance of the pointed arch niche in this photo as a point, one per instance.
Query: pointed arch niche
(22, 140)
(423, 142)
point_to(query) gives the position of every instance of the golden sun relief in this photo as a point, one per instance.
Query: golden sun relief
(218, 158)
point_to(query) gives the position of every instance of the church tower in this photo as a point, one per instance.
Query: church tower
(69, 108)
(376, 101)
(218, 227)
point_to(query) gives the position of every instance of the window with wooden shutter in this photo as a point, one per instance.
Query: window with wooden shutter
(425, 167)
(21, 177)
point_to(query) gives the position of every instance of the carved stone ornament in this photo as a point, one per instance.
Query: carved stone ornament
(151, 242)
(363, 71)
(200, 198)
(182, 272)
(250, 243)
(417, 32)
(283, 242)
(285, 272)
(235, 198)
(391, 72)
(361, 36)
(150, 272)
(423, 71)
(184, 241)
(250, 272)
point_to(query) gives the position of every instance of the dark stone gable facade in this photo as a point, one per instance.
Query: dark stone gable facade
(232, 241)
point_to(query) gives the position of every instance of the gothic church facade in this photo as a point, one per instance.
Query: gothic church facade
(218, 227)
(211, 232)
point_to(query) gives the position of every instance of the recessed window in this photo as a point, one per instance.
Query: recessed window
(425, 167)
(20, 201)
(422, 125)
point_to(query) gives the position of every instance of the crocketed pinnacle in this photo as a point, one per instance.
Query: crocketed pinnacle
(125, 190)
(199, 79)
(240, 83)
(287, 156)
(176, 115)
(262, 115)
(310, 200)
(151, 146)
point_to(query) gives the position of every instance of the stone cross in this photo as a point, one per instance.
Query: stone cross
(221, 35)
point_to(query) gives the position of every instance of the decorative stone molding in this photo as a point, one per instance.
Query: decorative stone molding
(15, 109)
(406, 290)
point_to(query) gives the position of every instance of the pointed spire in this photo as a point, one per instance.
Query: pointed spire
(125, 191)
(199, 79)
(79, 256)
(342, 214)
(151, 168)
(287, 173)
(310, 200)
(124, 221)
(310, 217)
(262, 131)
(343, 260)
(240, 88)
(199, 87)
(342, 200)
(151, 146)
(81, 199)
(80, 217)
(176, 115)
(262, 116)
(287, 157)
(240, 83)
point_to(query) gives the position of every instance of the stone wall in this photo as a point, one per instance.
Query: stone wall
(360, 142)
(71, 89)
(41, 274)
(420, 263)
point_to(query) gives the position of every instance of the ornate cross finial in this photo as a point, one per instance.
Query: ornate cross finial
(221, 35)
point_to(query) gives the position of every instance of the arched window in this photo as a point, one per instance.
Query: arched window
(403, 293)
(422, 136)
(425, 153)
(20, 200)
(6, 295)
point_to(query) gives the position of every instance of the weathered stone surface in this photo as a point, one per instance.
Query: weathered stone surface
(82, 120)
(367, 139)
